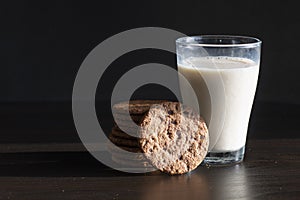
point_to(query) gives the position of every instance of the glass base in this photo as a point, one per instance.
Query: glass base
(225, 158)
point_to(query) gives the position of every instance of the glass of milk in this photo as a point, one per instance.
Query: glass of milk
(223, 71)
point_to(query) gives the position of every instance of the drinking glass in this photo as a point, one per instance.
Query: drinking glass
(223, 71)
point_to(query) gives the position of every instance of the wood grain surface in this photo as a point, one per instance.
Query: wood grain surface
(270, 171)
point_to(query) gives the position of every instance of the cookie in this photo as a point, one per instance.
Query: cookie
(123, 123)
(116, 132)
(138, 164)
(119, 149)
(112, 148)
(173, 137)
(123, 142)
(129, 157)
(135, 107)
(122, 117)
(128, 130)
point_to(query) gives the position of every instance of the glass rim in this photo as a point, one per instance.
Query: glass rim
(252, 41)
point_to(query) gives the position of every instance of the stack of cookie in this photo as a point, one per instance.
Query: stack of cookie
(172, 137)
(124, 136)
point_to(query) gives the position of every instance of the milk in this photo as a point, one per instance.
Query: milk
(225, 88)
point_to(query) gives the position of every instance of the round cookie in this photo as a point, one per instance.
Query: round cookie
(138, 164)
(174, 138)
(131, 157)
(123, 117)
(123, 142)
(116, 132)
(136, 107)
(127, 130)
(112, 148)
(123, 123)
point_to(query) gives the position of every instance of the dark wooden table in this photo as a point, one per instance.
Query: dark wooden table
(270, 171)
(36, 166)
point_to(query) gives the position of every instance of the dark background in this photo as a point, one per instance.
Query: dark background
(44, 42)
